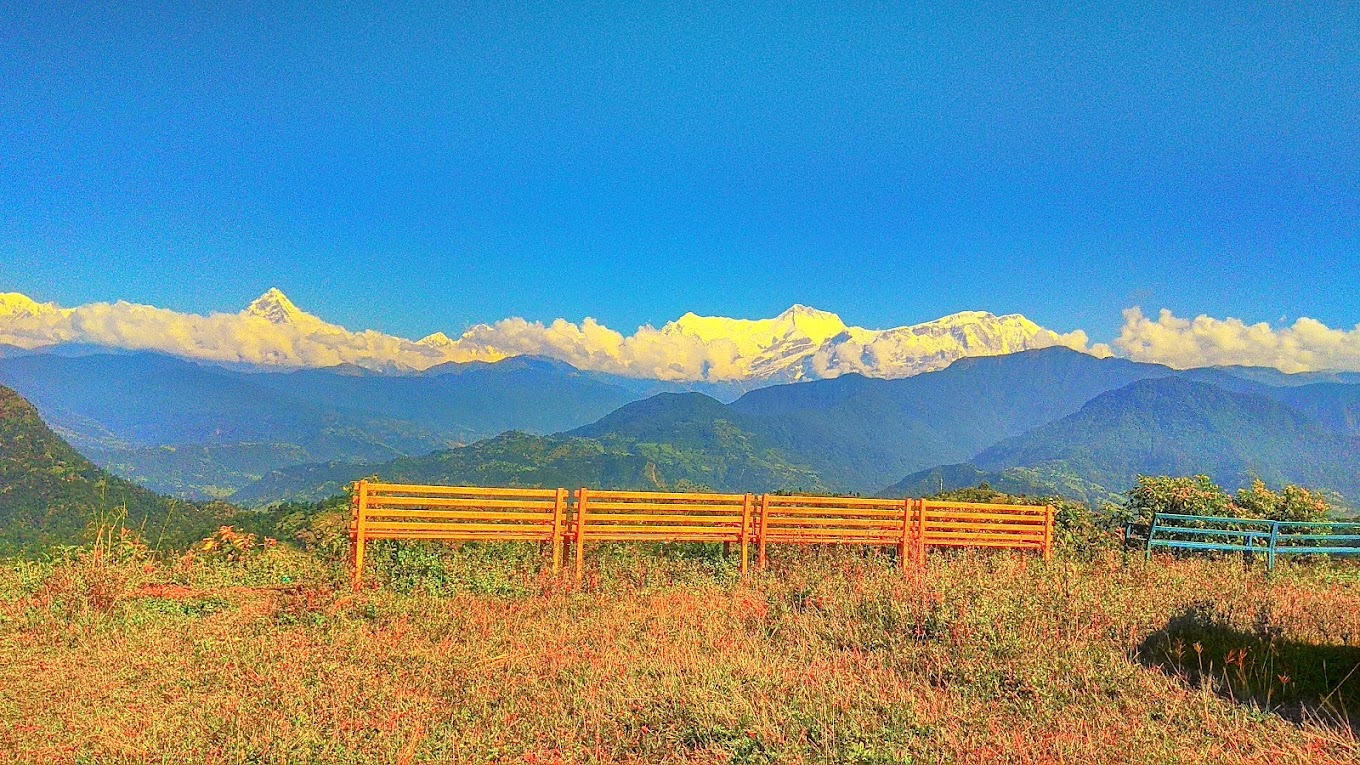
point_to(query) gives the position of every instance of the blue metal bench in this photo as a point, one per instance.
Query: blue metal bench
(1250, 535)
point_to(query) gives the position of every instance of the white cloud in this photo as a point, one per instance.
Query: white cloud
(800, 343)
(1307, 345)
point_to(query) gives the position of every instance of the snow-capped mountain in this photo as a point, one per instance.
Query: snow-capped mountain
(275, 308)
(805, 343)
(907, 351)
(798, 344)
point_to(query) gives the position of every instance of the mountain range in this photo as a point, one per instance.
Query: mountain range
(1041, 422)
(800, 343)
(255, 429)
(219, 401)
(202, 432)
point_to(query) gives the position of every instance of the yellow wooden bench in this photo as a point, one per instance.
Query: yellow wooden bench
(457, 513)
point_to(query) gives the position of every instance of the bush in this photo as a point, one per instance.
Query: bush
(231, 546)
(1293, 503)
(1200, 496)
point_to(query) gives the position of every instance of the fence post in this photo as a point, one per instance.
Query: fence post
(559, 512)
(1270, 553)
(361, 510)
(1152, 530)
(921, 505)
(746, 504)
(764, 524)
(1048, 532)
(580, 533)
(353, 521)
(903, 550)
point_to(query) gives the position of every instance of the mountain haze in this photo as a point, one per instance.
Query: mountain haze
(672, 442)
(864, 434)
(1165, 426)
(198, 431)
(848, 434)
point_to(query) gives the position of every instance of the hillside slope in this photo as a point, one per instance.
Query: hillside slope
(865, 433)
(1169, 426)
(51, 495)
(668, 442)
(199, 432)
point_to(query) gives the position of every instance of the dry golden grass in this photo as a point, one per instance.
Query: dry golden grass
(833, 657)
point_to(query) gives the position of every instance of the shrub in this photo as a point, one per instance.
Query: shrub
(1201, 496)
(231, 546)
(1293, 503)
(1177, 494)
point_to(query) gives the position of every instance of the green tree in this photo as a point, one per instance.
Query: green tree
(1293, 503)
(1195, 495)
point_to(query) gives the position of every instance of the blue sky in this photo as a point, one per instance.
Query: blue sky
(418, 168)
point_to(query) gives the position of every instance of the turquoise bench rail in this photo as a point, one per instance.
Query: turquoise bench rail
(1250, 535)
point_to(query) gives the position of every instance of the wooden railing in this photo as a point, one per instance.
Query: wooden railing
(835, 520)
(642, 516)
(970, 524)
(456, 513)
(552, 517)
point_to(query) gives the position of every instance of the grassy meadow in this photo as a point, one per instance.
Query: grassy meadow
(263, 654)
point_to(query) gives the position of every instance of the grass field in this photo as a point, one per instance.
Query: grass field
(666, 656)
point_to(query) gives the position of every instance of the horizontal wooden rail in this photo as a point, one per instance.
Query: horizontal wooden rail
(963, 524)
(642, 516)
(834, 520)
(456, 513)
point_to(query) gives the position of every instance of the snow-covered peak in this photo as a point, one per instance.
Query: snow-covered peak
(800, 343)
(799, 320)
(276, 308)
(436, 340)
(925, 347)
(14, 304)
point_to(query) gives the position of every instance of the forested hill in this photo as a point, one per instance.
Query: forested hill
(50, 495)
(1168, 426)
(676, 442)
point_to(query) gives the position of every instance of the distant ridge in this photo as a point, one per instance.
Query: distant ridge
(1171, 426)
(941, 430)
(200, 432)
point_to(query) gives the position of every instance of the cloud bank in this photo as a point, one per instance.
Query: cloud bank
(1305, 346)
(801, 343)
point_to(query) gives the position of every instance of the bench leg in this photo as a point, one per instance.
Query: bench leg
(358, 561)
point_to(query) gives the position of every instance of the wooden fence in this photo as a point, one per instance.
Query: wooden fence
(645, 516)
(552, 517)
(456, 513)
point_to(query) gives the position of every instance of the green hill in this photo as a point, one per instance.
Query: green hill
(864, 433)
(50, 495)
(668, 442)
(1168, 426)
(1016, 481)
